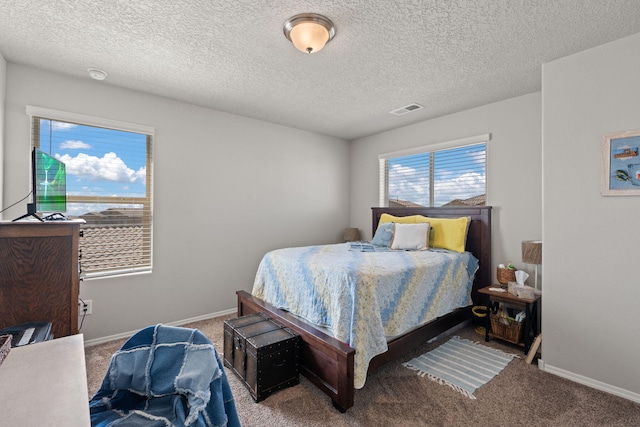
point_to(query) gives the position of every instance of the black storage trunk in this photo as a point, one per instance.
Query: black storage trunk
(262, 353)
(233, 339)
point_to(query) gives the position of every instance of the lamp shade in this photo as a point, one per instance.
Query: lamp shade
(351, 234)
(532, 252)
(309, 32)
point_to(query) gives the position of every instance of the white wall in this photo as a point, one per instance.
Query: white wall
(226, 190)
(513, 168)
(590, 251)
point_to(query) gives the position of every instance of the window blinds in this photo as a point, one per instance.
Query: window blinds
(452, 173)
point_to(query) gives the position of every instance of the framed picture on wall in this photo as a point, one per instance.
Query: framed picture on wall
(621, 164)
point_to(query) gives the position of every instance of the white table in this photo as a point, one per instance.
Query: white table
(45, 384)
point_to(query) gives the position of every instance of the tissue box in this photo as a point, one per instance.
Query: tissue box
(526, 292)
(512, 288)
(521, 291)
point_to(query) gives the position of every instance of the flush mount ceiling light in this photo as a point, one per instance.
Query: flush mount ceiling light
(309, 32)
(97, 74)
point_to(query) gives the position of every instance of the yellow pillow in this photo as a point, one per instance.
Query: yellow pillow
(420, 219)
(398, 219)
(447, 233)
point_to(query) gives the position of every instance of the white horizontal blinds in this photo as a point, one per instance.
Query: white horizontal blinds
(459, 174)
(109, 179)
(452, 173)
(383, 176)
(408, 179)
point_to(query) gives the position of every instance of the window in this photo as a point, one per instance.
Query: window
(109, 185)
(449, 174)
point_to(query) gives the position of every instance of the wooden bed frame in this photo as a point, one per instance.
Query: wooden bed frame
(328, 363)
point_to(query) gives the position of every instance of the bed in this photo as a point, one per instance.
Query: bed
(330, 363)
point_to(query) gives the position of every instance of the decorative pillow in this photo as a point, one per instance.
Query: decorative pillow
(384, 235)
(397, 219)
(448, 233)
(411, 237)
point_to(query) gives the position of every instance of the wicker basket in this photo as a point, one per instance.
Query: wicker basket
(505, 275)
(511, 333)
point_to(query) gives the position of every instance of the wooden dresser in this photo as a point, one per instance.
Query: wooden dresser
(39, 274)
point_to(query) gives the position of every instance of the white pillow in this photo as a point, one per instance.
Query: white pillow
(411, 237)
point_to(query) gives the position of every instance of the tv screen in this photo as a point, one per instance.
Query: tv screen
(49, 183)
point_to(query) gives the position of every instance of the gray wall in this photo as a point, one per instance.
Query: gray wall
(513, 164)
(590, 250)
(227, 189)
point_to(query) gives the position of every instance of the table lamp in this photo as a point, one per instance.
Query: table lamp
(351, 234)
(532, 254)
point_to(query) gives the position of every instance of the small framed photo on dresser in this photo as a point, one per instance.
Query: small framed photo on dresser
(621, 164)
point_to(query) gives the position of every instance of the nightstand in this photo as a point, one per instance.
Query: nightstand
(530, 306)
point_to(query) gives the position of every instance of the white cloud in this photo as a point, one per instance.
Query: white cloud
(62, 125)
(74, 145)
(141, 174)
(408, 184)
(461, 187)
(110, 167)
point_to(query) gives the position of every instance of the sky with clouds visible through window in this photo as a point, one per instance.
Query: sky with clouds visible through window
(459, 174)
(99, 161)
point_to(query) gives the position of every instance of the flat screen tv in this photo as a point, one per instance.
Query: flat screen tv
(49, 185)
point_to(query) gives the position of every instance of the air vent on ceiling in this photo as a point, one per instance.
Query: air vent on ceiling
(404, 110)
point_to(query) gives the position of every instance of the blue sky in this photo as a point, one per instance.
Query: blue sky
(99, 162)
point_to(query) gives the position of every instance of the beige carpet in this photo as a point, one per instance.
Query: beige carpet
(395, 396)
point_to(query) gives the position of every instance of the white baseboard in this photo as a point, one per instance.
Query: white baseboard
(589, 382)
(103, 340)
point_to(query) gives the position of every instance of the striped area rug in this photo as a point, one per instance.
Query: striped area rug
(461, 364)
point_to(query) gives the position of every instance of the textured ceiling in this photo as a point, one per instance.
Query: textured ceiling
(232, 55)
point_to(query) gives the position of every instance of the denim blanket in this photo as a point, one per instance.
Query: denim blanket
(165, 376)
(362, 297)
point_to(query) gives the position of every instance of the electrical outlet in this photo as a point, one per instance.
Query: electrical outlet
(85, 308)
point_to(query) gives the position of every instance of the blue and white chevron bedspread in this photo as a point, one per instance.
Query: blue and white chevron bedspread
(362, 297)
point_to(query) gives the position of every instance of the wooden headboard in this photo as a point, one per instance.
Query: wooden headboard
(478, 238)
